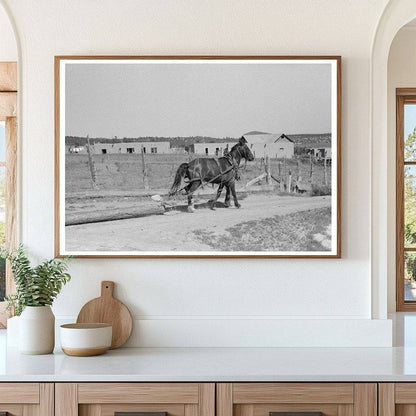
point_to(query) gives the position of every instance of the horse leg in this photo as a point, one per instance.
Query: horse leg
(227, 197)
(194, 186)
(217, 196)
(236, 203)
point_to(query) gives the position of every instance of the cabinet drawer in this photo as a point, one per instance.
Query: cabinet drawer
(21, 399)
(397, 399)
(152, 399)
(297, 399)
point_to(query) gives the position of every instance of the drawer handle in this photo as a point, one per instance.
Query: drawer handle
(296, 414)
(138, 414)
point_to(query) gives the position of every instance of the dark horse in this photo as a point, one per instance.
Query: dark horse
(222, 171)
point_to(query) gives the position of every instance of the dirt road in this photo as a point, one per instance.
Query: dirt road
(174, 231)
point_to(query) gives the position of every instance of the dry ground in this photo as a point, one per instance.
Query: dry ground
(177, 231)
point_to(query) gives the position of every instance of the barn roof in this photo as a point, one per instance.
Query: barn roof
(266, 138)
(283, 136)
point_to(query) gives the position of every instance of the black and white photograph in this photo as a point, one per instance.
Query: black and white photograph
(198, 156)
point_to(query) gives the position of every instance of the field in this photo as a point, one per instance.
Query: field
(124, 172)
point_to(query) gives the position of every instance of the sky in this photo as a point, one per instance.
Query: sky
(217, 100)
(409, 119)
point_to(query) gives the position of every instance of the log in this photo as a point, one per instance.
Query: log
(255, 180)
(87, 217)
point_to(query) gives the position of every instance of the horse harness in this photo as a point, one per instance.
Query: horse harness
(233, 166)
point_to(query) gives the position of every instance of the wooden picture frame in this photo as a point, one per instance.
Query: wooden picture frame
(282, 160)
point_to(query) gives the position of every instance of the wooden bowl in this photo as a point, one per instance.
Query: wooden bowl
(85, 340)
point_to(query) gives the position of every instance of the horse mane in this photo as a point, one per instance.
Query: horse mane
(238, 144)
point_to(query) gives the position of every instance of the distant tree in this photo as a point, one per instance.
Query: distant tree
(410, 191)
(2, 234)
(410, 146)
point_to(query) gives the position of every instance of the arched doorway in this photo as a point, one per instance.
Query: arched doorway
(396, 14)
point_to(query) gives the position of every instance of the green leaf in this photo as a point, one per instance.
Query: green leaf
(35, 286)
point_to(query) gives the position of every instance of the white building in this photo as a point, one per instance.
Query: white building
(320, 152)
(272, 145)
(132, 147)
(212, 149)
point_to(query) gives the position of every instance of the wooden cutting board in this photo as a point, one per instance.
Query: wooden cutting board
(107, 309)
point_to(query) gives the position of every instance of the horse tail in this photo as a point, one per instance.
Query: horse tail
(180, 173)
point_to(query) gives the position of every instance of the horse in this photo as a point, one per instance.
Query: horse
(222, 171)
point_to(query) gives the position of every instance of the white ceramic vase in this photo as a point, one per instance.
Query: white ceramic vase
(37, 330)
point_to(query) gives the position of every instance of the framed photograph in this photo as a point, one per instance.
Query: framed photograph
(198, 156)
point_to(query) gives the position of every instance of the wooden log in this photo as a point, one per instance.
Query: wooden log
(87, 217)
(274, 178)
(257, 179)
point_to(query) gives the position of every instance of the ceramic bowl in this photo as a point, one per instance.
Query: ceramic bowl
(84, 340)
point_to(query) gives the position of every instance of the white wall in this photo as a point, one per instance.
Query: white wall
(235, 302)
(8, 47)
(401, 74)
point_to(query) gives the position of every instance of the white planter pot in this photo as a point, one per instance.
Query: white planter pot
(37, 330)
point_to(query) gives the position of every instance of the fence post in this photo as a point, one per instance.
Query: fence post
(325, 172)
(282, 182)
(91, 164)
(311, 166)
(267, 169)
(144, 170)
(289, 182)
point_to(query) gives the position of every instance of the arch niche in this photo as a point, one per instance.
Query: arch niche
(396, 14)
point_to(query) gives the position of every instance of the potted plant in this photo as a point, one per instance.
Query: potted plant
(36, 289)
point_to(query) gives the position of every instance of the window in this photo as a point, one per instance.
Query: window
(131, 150)
(2, 206)
(406, 200)
(206, 150)
(153, 150)
(104, 151)
(8, 171)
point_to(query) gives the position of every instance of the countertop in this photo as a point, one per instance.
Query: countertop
(213, 365)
